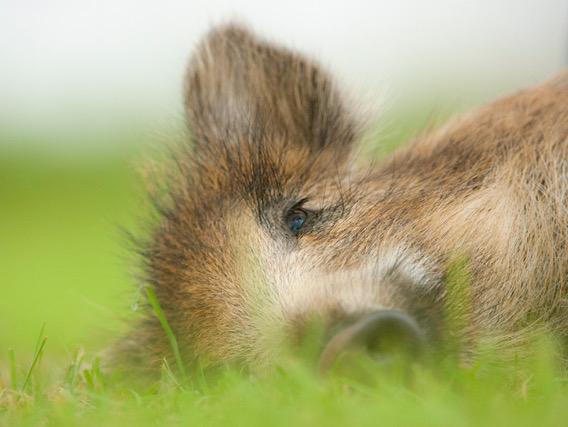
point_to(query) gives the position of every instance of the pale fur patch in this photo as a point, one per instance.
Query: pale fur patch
(298, 289)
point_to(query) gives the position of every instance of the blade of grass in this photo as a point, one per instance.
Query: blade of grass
(13, 369)
(169, 375)
(35, 360)
(153, 300)
(39, 337)
(73, 370)
(89, 380)
(97, 372)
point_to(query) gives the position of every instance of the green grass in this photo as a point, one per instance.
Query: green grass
(66, 291)
(528, 393)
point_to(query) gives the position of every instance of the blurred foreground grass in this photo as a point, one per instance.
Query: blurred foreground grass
(530, 392)
(64, 263)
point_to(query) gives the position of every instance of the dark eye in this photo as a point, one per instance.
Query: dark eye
(295, 219)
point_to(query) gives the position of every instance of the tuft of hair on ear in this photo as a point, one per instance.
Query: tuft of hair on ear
(242, 89)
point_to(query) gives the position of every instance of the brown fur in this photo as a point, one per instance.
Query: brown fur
(269, 131)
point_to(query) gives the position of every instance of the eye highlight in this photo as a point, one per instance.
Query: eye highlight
(295, 219)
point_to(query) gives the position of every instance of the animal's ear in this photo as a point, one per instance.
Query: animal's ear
(240, 88)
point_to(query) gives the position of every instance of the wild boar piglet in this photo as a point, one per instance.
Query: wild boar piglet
(269, 222)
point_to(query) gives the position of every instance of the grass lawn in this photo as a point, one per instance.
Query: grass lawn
(64, 275)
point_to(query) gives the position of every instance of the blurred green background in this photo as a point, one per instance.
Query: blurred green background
(63, 260)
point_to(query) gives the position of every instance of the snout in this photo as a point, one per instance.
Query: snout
(382, 335)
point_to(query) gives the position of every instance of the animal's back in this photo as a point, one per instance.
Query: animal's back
(493, 187)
